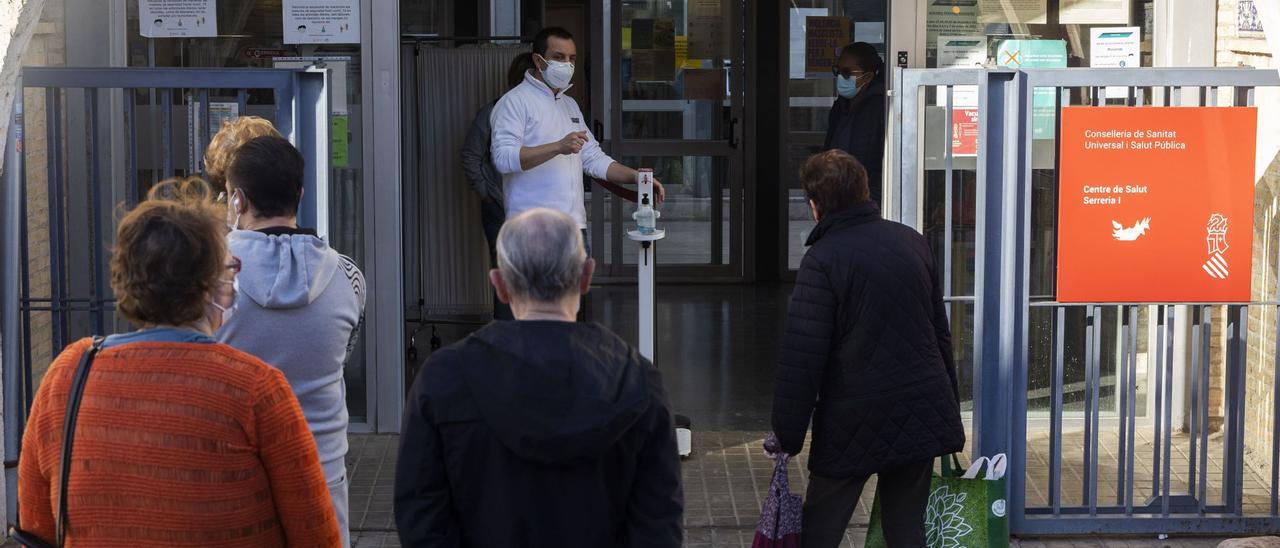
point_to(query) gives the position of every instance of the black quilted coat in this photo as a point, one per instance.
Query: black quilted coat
(857, 126)
(867, 351)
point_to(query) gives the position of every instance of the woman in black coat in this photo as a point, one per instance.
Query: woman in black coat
(867, 354)
(857, 119)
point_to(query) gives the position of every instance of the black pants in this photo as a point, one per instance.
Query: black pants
(492, 215)
(904, 493)
(584, 308)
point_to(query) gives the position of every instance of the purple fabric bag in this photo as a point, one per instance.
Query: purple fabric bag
(780, 514)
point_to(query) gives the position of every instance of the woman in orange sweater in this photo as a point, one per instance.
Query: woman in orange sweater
(179, 441)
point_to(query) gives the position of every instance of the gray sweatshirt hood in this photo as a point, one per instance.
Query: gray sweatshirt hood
(282, 271)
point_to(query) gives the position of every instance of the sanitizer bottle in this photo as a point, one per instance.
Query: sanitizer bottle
(646, 217)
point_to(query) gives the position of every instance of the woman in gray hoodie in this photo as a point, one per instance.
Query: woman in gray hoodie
(300, 303)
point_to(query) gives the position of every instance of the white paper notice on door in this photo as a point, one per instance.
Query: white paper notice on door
(707, 29)
(321, 21)
(870, 32)
(1017, 12)
(961, 52)
(796, 58)
(1115, 47)
(221, 113)
(1093, 12)
(951, 18)
(178, 18)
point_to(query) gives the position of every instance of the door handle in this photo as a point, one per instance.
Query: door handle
(597, 128)
(733, 133)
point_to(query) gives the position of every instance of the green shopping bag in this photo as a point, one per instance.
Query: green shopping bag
(964, 510)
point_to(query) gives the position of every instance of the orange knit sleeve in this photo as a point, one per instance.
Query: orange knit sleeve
(288, 452)
(35, 475)
(35, 497)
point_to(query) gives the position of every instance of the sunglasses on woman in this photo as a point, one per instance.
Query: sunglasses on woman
(848, 74)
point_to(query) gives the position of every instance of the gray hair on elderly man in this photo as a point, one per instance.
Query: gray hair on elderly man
(543, 268)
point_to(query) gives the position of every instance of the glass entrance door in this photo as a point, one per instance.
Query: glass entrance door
(674, 103)
(811, 94)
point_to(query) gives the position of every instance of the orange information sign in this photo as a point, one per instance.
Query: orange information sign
(964, 131)
(1156, 204)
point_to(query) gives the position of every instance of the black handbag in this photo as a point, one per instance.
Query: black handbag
(31, 540)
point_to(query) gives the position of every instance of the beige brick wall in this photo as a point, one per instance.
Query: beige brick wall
(47, 48)
(1246, 48)
(18, 19)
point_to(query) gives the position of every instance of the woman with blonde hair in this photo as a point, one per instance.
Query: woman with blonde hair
(177, 440)
(224, 144)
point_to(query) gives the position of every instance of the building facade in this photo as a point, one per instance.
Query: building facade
(722, 98)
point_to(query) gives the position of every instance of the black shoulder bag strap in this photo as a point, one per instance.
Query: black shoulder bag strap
(69, 433)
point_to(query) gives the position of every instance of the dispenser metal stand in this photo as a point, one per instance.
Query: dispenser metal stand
(646, 270)
(646, 267)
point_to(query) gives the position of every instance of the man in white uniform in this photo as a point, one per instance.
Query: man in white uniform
(541, 143)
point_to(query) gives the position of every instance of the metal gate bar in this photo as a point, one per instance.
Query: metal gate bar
(1130, 418)
(1162, 447)
(166, 130)
(131, 133)
(57, 250)
(1006, 161)
(301, 114)
(12, 226)
(1194, 426)
(948, 155)
(97, 254)
(1206, 331)
(1055, 410)
(1093, 353)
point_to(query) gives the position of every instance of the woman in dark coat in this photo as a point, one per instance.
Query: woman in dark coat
(867, 355)
(857, 119)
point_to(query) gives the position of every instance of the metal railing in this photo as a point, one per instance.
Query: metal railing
(126, 141)
(1118, 418)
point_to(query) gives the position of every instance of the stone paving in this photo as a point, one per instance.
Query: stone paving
(734, 537)
(727, 476)
(1257, 493)
(723, 484)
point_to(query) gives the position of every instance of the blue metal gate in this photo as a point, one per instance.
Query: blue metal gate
(1117, 418)
(64, 248)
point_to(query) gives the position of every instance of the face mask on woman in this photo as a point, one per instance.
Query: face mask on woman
(847, 86)
(228, 312)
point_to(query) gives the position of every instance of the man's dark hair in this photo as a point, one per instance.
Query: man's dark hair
(835, 181)
(520, 65)
(865, 55)
(269, 171)
(540, 41)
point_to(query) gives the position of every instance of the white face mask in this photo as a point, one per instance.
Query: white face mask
(558, 74)
(230, 311)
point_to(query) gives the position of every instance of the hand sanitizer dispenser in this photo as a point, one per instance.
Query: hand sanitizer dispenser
(647, 235)
(646, 216)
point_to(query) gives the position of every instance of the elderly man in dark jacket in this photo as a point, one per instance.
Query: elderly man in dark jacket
(540, 431)
(867, 353)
